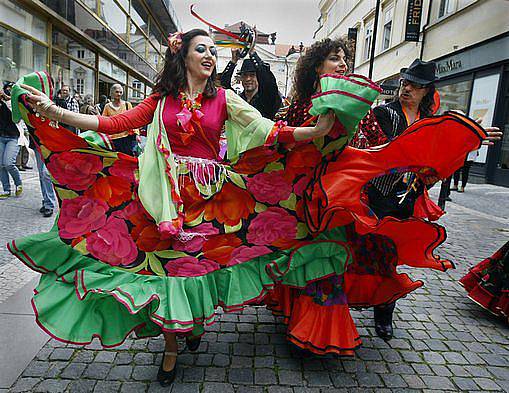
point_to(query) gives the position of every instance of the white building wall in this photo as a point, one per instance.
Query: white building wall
(467, 22)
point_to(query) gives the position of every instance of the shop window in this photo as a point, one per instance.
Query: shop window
(72, 47)
(92, 4)
(19, 56)
(66, 71)
(455, 96)
(368, 37)
(114, 16)
(22, 20)
(139, 15)
(387, 28)
(138, 40)
(113, 71)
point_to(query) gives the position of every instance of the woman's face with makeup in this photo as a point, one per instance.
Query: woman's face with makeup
(201, 57)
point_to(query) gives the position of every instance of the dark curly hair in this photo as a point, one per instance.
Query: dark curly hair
(305, 79)
(172, 78)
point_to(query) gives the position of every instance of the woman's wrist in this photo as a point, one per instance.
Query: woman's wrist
(303, 133)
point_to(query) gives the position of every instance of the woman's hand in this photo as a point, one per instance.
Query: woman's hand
(324, 124)
(41, 103)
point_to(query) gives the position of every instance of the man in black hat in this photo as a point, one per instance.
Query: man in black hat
(395, 194)
(260, 87)
(414, 101)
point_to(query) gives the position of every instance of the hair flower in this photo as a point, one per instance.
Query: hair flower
(175, 42)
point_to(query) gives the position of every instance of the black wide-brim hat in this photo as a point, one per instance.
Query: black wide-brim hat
(422, 72)
(248, 65)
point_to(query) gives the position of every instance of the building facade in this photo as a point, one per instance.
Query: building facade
(87, 44)
(469, 40)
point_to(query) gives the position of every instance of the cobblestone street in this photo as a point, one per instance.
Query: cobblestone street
(442, 340)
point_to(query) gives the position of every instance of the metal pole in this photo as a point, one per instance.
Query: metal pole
(373, 41)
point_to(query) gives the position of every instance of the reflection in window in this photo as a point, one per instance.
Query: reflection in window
(138, 41)
(139, 14)
(73, 48)
(114, 17)
(65, 71)
(110, 69)
(22, 20)
(455, 96)
(92, 4)
(19, 56)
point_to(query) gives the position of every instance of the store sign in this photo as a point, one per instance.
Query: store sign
(413, 20)
(451, 65)
(479, 56)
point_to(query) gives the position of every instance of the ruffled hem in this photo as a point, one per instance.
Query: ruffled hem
(366, 290)
(498, 304)
(102, 301)
(322, 329)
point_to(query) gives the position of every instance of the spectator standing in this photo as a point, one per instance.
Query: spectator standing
(67, 101)
(9, 134)
(103, 100)
(88, 107)
(125, 141)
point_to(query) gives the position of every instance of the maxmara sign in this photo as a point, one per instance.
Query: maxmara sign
(480, 56)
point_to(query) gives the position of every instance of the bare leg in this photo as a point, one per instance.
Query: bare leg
(170, 346)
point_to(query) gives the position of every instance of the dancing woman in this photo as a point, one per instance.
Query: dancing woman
(487, 283)
(318, 316)
(154, 246)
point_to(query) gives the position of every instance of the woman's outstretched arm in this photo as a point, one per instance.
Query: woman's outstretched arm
(137, 117)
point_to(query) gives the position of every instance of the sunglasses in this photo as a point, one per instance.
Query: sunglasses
(406, 82)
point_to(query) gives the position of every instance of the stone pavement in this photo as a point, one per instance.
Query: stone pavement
(443, 341)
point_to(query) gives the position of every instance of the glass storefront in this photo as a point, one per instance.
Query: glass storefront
(122, 26)
(455, 95)
(19, 55)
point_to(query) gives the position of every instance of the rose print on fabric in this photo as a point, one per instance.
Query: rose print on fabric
(271, 225)
(270, 187)
(113, 243)
(80, 216)
(76, 171)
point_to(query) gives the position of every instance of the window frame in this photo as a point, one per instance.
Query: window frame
(368, 27)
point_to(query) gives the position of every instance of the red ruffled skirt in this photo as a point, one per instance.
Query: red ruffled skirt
(318, 317)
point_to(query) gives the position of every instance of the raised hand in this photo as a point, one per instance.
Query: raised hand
(41, 103)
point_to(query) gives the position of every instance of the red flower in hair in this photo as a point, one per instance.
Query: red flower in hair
(175, 42)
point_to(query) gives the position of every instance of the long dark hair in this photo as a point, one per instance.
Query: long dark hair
(172, 79)
(306, 78)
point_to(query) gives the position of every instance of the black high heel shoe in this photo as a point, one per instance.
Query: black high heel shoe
(166, 378)
(193, 343)
(383, 320)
